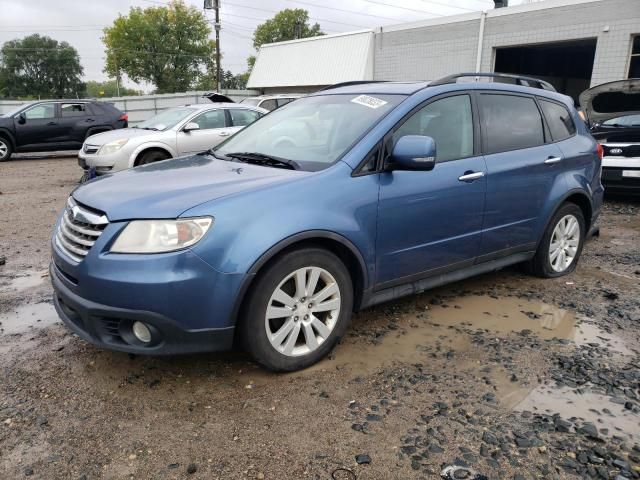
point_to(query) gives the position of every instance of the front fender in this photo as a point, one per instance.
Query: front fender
(7, 133)
(249, 225)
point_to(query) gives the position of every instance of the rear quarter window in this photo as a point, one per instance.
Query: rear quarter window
(558, 119)
(510, 122)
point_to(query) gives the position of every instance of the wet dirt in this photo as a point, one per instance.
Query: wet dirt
(500, 373)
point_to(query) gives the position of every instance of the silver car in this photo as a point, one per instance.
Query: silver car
(172, 133)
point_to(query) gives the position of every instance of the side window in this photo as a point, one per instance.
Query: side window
(511, 122)
(371, 162)
(269, 104)
(449, 122)
(74, 110)
(284, 101)
(210, 119)
(241, 117)
(559, 120)
(42, 111)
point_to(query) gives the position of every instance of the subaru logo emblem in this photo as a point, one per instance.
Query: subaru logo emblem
(615, 151)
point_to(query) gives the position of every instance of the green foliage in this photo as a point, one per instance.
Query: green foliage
(166, 46)
(40, 67)
(107, 89)
(251, 61)
(288, 24)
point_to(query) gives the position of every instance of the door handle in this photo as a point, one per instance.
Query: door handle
(51, 123)
(89, 120)
(552, 160)
(224, 134)
(471, 176)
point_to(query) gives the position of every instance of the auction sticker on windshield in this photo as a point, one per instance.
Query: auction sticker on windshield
(367, 101)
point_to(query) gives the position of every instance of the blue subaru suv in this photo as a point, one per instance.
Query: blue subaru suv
(355, 195)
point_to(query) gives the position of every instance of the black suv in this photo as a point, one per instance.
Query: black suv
(52, 125)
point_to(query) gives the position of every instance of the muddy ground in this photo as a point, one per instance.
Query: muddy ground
(504, 375)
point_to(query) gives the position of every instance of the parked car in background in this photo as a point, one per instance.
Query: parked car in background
(271, 102)
(54, 125)
(276, 236)
(613, 112)
(172, 133)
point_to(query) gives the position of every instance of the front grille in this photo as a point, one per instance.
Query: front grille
(78, 230)
(90, 148)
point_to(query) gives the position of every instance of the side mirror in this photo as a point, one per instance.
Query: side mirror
(22, 118)
(190, 127)
(413, 152)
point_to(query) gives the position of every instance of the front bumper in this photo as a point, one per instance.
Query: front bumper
(104, 164)
(110, 327)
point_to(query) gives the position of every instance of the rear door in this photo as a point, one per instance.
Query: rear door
(41, 127)
(213, 129)
(430, 222)
(522, 167)
(75, 120)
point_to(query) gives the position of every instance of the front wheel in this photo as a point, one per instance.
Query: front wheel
(562, 243)
(297, 310)
(5, 149)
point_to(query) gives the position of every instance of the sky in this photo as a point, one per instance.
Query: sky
(80, 22)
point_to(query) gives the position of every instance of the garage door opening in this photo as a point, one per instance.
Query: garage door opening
(566, 65)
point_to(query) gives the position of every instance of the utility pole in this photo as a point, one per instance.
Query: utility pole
(215, 5)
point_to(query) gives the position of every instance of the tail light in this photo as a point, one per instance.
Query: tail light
(600, 150)
(124, 117)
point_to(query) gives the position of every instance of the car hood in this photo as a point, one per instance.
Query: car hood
(167, 189)
(112, 135)
(611, 100)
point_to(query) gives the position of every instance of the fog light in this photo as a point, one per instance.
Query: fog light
(141, 332)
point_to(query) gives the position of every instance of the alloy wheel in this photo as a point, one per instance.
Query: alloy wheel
(4, 149)
(302, 311)
(564, 243)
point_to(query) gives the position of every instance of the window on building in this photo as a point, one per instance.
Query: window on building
(634, 63)
(449, 122)
(559, 120)
(511, 123)
(73, 109)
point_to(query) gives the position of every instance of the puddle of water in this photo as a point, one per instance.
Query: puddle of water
(26, 317)
(589, 333)
(25, 281)
(588, 407)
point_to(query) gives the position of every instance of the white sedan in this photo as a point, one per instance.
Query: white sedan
(172, 133)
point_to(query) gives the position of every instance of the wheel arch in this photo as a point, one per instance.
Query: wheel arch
(579, 198)
(149, 148)
(346, 251)
(4, 133)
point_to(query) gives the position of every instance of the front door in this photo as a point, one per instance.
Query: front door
(430, 222)
(41, 126)
(213, 129)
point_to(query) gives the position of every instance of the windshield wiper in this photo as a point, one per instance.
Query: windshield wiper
(150, 128)
(263, 159)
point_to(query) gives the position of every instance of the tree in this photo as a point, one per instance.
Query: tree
(40, 67)
(288, 24)
(166, 46)
(107, 89)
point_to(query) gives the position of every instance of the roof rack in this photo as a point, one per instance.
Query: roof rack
(348, 84)
(519, 79)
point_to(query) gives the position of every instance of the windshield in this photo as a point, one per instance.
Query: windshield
(625, 121)
(312, 131)
(251, 101)
(15, 110)
(167, 119)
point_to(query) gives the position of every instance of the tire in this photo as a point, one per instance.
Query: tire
(5, 149)
(317, 328)
(546, 266)
(151, 156)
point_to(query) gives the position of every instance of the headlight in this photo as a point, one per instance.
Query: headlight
(157, 236)
(112, 147)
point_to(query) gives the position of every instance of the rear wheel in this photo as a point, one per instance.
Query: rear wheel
(5, 149)
(561, 245)
(151, 156)
(297, 310)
